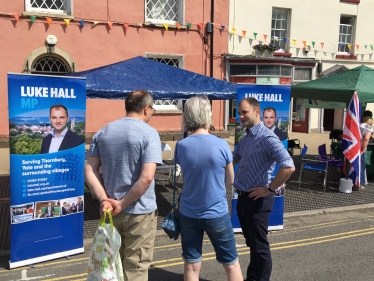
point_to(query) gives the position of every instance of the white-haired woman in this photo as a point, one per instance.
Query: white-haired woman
(206, 163)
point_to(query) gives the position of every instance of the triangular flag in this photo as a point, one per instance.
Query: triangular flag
(200, 24)
(254, 34)
(371, 46)
(126, 25)
(81, 22)
(32, 18)
(95, 23)
(313, 43)
(357, 47)
(110, 24)
(67, 21)
(189, 25)
(366, 46)
(349, 46)
(16, 17)
(166, 26)
(233, 30)
(322, 44)
(340, 45)
(304, 43)
(244, 32)
(294, 41)
(265, 36)
(276, 38)
(178, 25)
(49, 20)
(222, 27)
(140, 24)
(285, 40)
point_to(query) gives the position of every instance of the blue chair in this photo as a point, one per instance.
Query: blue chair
(319, 166)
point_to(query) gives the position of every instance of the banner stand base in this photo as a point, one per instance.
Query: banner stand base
(45, 258)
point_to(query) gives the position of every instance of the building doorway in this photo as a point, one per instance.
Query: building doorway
(328, 119)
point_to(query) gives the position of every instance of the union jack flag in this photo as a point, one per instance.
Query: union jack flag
(351, 144)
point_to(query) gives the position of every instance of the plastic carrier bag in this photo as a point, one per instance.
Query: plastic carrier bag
(104, 262)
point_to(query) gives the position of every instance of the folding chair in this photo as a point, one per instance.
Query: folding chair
(320, 166)
(169, 163)
(336, 164)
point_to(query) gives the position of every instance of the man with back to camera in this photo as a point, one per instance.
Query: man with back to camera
(127, 150)
(256, 153)
(269, 116)
(61, 138)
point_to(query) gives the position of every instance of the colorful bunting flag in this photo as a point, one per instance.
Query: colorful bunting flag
(200, 24)
(189, 25)
(254, 34)
(265, 36)
(126, 25)
(244, 32)
(313, 43)
(81, 22)
(166, 26)
(285, 40)
(67, 21)
(304, 43)
(294, 41)
(110, 24)
(233, 30)
(276, 38)
(178, 25)
(322, 44)
(16, 17)
(357, 47)
(349, 46)
(32, 18)
(222, 27)
(49, 20)
(95, 23)
(140, 24)
(366, 46)
(371, 46)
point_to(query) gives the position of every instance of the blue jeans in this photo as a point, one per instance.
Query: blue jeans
(220, 233)
(363, 169)
(254, 220)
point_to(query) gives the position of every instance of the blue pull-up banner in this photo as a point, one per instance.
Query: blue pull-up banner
(276, 101)
(46, 190)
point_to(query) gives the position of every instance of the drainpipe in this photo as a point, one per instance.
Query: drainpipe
(211, 37)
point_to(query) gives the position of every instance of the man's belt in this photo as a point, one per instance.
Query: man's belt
(242, 193)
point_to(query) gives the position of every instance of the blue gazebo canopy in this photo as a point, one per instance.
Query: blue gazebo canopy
(116, 80)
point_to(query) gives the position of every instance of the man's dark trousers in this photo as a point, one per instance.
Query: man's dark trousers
(254, 220)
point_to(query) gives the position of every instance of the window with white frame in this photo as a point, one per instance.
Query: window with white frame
(279, 28)
(176, 61)
(345, 34)
(63, 7)
(169, 11)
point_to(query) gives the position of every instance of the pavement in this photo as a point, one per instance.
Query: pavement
(310, 200)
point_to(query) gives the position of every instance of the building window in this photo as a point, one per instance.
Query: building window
(279, 28)
(345, 34)
(50, 65)
(240, 69)
(176, 61)
(303, 74)
(164, 10)
(63, 7)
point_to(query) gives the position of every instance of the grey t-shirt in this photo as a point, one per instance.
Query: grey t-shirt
(123, 146)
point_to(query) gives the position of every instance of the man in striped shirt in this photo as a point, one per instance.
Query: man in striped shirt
(256, 154)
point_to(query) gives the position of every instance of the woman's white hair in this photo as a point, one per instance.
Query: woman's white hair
(197, 114)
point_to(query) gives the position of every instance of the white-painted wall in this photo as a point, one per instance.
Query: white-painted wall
(310, 20)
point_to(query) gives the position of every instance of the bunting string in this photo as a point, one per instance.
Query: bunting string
(366, 49)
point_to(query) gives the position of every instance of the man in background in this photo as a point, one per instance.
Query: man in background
(61, 138)
(49, 210)
(128, 150)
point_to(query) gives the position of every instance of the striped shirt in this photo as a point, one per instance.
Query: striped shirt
(255, 155)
